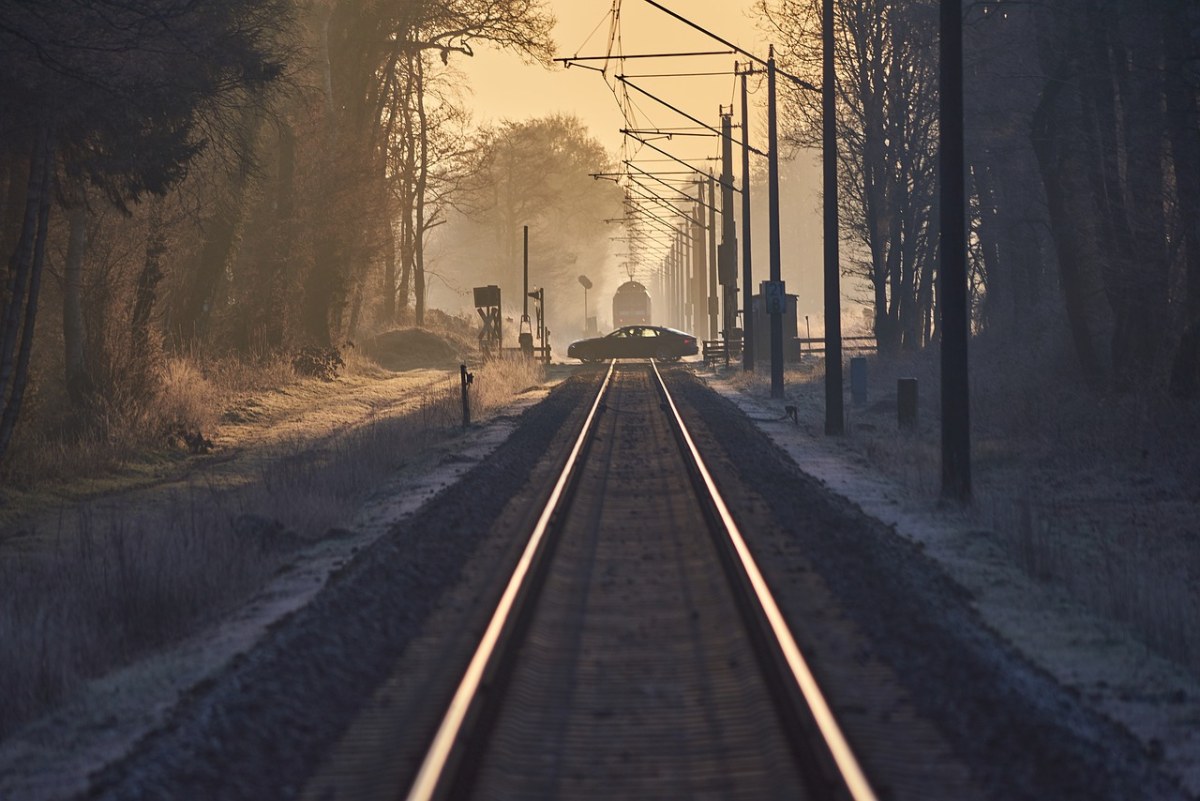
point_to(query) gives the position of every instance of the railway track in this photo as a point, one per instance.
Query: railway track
(635, 666)
(636, 651)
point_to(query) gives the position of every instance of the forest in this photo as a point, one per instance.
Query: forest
(247, 180)
(1082, 146)
(256, 179)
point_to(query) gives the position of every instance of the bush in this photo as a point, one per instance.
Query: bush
(323, 363)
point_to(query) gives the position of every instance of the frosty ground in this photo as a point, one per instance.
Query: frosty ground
(1103, 662)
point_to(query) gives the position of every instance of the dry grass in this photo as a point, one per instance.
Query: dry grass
(113, 580)
(111, 590)
(138, 432)
(1094, 493)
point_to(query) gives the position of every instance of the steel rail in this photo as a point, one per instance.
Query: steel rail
(435, 777)
(429, 783)
(851, 773)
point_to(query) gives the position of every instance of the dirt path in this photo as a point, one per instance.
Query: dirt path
(255, 430)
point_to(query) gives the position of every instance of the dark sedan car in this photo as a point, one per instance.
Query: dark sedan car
(635, 342)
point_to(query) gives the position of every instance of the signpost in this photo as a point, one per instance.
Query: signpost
(487, 304)
(775, 296)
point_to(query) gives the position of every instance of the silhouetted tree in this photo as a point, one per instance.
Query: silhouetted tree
(109, 92)
(537, 173)
(887, 137)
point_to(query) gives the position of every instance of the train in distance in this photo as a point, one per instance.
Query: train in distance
(631, 305)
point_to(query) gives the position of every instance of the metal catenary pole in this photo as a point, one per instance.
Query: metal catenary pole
(727, 255)
(776, 316)
(669, 304)
(747, 271)
(680, 278)
(834, 409)
(712, 259)
(699, 290)
(952, 277)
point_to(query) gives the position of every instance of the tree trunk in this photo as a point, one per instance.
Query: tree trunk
(1058, 164)
(407, 198)
(12, 214)
(145, 294)
(322, 286)
(1183, 125)
(26, 268)
(222, 233)
(1111, 93)
(285, 225)
(1148, 272)
(389, 262)
(22, 261)
(79, 382)
(356, 304)
(998, 304)
(422, 183)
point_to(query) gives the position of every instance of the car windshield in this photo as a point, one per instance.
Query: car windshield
(633, 331)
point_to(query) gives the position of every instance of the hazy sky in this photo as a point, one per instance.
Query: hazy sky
(504, 87)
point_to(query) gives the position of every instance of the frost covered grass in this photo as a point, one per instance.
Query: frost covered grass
(1095, 493)
(111, 580)
(135, 429)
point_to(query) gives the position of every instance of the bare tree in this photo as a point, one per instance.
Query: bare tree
(1114, 138)
(886, 104)
(370, 53)
(109, 92)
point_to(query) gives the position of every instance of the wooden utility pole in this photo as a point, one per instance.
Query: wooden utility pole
(952, 277)
(525, 284)
(834, 411)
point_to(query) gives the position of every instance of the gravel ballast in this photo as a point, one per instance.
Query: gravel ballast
(1021, 734)
(259, 728)
(956, 692)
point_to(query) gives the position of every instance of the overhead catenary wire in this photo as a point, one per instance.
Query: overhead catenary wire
(758, 59)
(569, 60)
(639, 121)
(681, 112)
(664, 183)
(682, 196)
(676, 159)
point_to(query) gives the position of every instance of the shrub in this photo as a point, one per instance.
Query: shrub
(323, 363)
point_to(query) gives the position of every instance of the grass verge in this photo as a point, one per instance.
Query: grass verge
(1093, 493)
(112, 579)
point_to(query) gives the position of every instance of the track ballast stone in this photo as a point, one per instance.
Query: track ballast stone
(261, 726)
(1023, 735)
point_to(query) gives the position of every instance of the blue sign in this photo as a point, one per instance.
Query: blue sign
(775, 296)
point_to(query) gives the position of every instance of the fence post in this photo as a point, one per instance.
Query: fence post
(858, 379)
(906, 402)
(466, 379)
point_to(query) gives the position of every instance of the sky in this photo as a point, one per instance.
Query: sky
(501, 86)
(504, 87)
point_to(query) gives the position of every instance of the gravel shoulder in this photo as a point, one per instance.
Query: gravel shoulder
(1138, 711)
